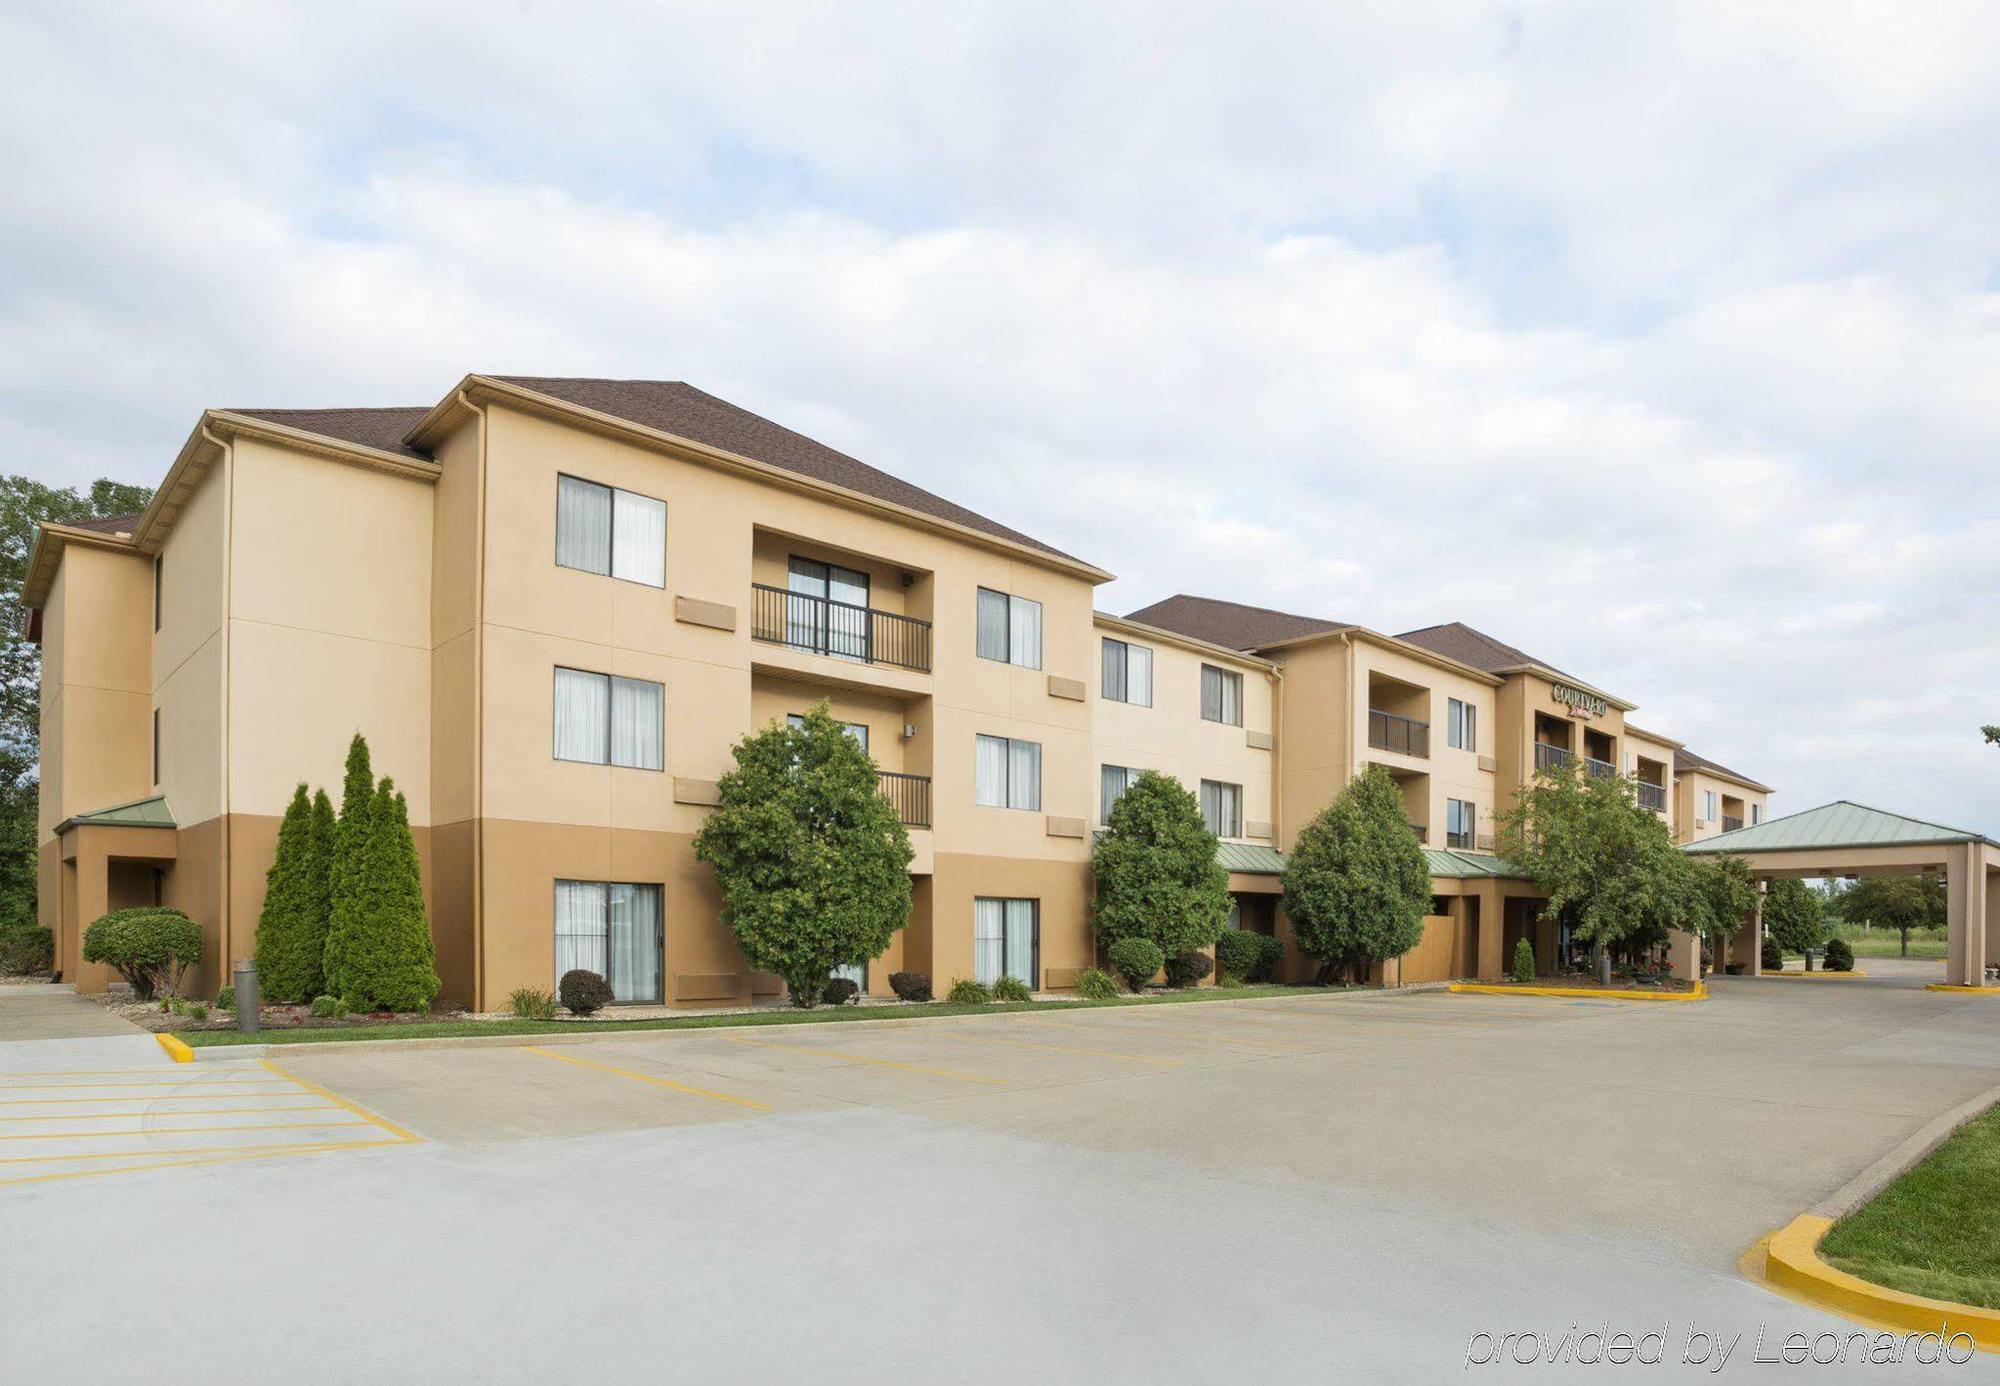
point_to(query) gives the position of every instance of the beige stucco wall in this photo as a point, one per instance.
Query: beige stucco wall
(188, 651)
(1450, 773)
(96, 715)
(1315, 739)
(1638, 745)
(1691, 824)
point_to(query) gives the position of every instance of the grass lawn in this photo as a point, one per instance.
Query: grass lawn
(819, 1015)
(1931, 1232)
(1887, 943)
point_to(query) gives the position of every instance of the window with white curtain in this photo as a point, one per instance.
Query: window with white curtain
(1756, 813)
(1461, 725)
(1709, 809)
(1459, 818)
(612, 928)
(601, 719)
(1006, 940)
(600, 529)
(1221, 695)
(1222, 808)
(1112, 782)
(1009, 629)
(1128, 673)
(1007, 773)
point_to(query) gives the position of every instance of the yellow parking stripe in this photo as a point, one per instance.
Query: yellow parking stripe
(229, 1082)
(176, 1130)
(182, 1112)
(650, 1078)
(310, 1086)
(155, 1071)
(192, 1150)
(163, 1097)
(217, 1160)
(865, 1059)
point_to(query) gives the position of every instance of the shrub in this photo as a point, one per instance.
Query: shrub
(1237, 953)
(1136, 960)
(1188, 968)
(532, 1003)
(378, 946)
(1270, 959)
(330, 1008)
(1154, 870)
(1773, 957)
(966, 992)
(225, 1000)
(1839, 955)
(196, 1010)
(26, 949)
(583, 992)
(911, 986)
(1524, 961)
(291, 929)
(1008, 988)
(838, 991)
(1094, 984)
(150, 947)
(812, 862)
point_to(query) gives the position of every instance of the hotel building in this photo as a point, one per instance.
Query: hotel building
(553, 605)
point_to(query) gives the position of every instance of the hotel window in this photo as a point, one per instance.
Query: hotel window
(1112, 782)
(1007, 773)
(614, 929)
(1221, 695)
(1459, 818)
(1006, 940)
(1462, 725)
(1756, 813)
(857, 730)
(600, 529)
(604, 720)
(1010, 629)
(828, 609)
(1222, 808)
(1709, 811)
(1128, 673)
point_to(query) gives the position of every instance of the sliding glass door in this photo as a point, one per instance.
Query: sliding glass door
(828, 613)
(1006, 940)
(614, 929)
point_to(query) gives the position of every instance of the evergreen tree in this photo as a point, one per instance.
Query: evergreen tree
(380, 952)
(291, 930)
(1155, 872)
(1357, 884)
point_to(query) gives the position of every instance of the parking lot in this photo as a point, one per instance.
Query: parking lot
(1273, 1188)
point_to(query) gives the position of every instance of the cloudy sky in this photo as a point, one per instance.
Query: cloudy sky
(1662, 341)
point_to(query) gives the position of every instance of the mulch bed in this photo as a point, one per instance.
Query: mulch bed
(1584, 981)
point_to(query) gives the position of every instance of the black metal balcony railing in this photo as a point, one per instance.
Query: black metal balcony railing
(910, 795)
(820, 625)
(1404, 735)
(1731, 822)
(1549, 757)
(1653, 796)
(1602, 769)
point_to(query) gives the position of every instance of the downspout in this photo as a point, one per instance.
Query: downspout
(478, 724)
(226, 924)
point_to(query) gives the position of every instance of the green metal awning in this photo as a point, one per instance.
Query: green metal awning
(1835, 825)
(1250, 859)
(140, 813)
(1461, 866)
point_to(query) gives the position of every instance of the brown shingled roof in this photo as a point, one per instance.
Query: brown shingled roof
(1456, 640)
(672, 406)
(384, 429)
(1686, 760)
(1229, 624)
(106, 524)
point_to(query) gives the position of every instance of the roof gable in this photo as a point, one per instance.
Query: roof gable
(1456, 640)
(1232, 625)
(1838, 824)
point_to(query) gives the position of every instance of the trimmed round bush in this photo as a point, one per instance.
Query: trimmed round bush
(838, 991)
(911, 986)
(1839, 955)
(328, 1008)
(1773, 957)
(1187, 969)
(1136, 960)
(149, 947)
(966, 992)
(1094, 984)
(1007, 988)
(1237, 952)
(1270, 959)
(583, 992)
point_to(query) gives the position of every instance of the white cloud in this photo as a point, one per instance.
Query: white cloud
(1659, 343)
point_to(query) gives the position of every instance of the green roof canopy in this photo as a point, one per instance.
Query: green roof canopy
(1250, 858)
(140, 813)
(1838, 824)
(1460, 866)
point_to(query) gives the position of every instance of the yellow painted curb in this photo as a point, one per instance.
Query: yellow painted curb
(1793, 1263)
(1958, 986)
(176, 1050)
(1700, 992)
(1814, 976)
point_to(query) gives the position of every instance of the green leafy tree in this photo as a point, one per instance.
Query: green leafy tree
(1794, 916)
(291, 929)
(1902, 903)
(1155, 872)
(1724, 895)
(1357, 884)
(24, 503)
(378, 950)
(1609, 868)
(812, 862)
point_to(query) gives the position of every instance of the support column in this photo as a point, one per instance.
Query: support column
(1965, 912)
(93, 901)
(1684, 955)
(1491, 965)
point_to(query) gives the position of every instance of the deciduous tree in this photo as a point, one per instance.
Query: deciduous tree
(1357, 884)
(1154, 870)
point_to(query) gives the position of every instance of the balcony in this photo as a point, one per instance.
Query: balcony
(1652, 796)
(909, 795)
(1731, 822)
(1549, 757)
(1600, 769)
(841, 630)
(1403, 735)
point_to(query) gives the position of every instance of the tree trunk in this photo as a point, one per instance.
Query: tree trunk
(1603, 965)
(1906, 943)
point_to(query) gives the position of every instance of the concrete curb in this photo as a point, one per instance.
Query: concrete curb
(1792, 1260)
(1812, 976)
(1700, 992)
(1962, 988)
(176, 1049)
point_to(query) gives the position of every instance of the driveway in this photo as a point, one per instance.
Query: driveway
(1302, 1188)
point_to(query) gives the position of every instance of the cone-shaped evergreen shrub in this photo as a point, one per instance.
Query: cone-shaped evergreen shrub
(1524, 961)
(291, 930)
(380, 950)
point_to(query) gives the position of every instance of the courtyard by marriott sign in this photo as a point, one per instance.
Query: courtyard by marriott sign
(1582, 703)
